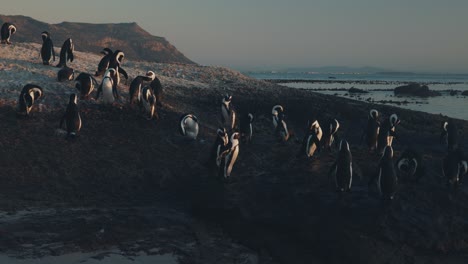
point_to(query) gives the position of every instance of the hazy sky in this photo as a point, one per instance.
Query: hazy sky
(416, 35)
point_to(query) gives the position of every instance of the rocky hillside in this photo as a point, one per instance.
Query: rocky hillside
(137, 43)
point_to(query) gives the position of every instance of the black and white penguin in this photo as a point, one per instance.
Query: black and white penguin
(387, 132)
(65, 74)
(246, 128)
(276, 112)
(232, 155)
(47, 50)
(279, 123)
(372, 130)
(66, 53)
(450, 134)
(387, 181)
(148, 103)
(29, 94)
(157, 90)
(228, 115)
(115, 62)
(188, 126)
(107, 87)
(455, 167)
(104, 63)
(135, 87)
(342, 170)
(329, 133)
(6, 32)
(85, 84)
(72, 117)
(409, 166)
(220, 146)
(312, 139)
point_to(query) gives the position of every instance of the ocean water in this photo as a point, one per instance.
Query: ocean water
(380, 88)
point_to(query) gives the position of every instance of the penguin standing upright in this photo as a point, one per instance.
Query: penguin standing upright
(450, 133)
(312, 139)
(387, 180)
(66, 53)
(104, 63)
(220, 146)
(281, 128)
(371, 133)
(85, 84)
(65, 74)
(409, 166)
(231, 157)
(157, 90)
(342, 169)
(72, 117)
(387, 132)
(115, 63)
(47, 50)
(107, 87)
(455, 167)
(135, 87)
(6, 32)
(329, 133)
(228, 115)
(246, 128)
(148, 103)
(29, 94)
(188, 126)
(276, 111)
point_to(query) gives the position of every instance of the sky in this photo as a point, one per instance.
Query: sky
(409, 35)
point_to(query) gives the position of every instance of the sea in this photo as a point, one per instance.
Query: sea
(380, 88)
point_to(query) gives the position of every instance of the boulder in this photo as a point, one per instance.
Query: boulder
(415, 89)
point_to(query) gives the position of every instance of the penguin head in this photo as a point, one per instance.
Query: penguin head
(73, 99)
(151, 75)
(235, 136)
(313, 124)
(12, 29)
(110, 73)
(445, 126)
(227, 98)
(276, 109)
(222, 133)
(106, 51)
(394, 120)
(36, 92)
(344, 146)
(45, 35)
(373, 114)
(388, 152)
(251, 117)
(463, 167)
(119, 56)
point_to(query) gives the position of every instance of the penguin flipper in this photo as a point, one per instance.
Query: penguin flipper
(99, 91)
(122, 71)
(70, 56)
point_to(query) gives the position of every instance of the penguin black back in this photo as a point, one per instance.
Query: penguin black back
(29, 94)
(66, 53)
(6, 32)
(72, 117)
(450, 133)
(85, 84)
(104, 63)
(47, 50)
(386, 177)
(342, 169)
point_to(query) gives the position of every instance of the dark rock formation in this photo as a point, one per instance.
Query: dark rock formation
(415, 89)
(129, 37)
(465, 93)
(356, 90)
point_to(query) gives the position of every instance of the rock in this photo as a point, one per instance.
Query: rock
(356, 90)
(415, 89)
(465, 93)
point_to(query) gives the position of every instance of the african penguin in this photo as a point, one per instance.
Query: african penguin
(409, 166)
(29, 94)
(276, 112)
(104, 63)
(372, 130)
(329, 133)
(65, 74)
(279, 123)
(220, 147)
(228, 115)
(6, 32)
(312, 139)
(232, 155)
(85, 84)
(135, 87)
(66, 53)
(47, 50)
(387, 132)
(115, 62)
(342, 170)
(386, 177)
(157, 90)
(450, 133)
(72, 117)
(107, 87)
(455, 167)
(148, 103)
(188, 126)
(246, 129)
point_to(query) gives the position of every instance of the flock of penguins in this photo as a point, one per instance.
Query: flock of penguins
(378, 135)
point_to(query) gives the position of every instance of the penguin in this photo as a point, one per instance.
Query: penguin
(188, 126)
(228, 115)
(409, 166)
(312, 139)
(276, 112)
(329, 133)
(372, 130)
(450, 134)
(135, 87)
(231, 157)
(148, 103)
(246, 129)
(220, 146)
(65, 74)
(386, 176)
(6, 32)
(47, 50)
(66, 53)
(342, 169)
(104, 63)
(85, 84)
(115, 62)
(72, 117)
(29, 94)
(455, 167)
(387, 132)
(157, 90)
(281, 128)
(107, 87)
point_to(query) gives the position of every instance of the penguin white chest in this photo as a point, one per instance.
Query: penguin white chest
(107, 95)
(191, 128)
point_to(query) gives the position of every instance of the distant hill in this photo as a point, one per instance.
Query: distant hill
(137, 43)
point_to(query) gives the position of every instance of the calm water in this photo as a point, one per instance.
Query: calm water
(453, 106)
